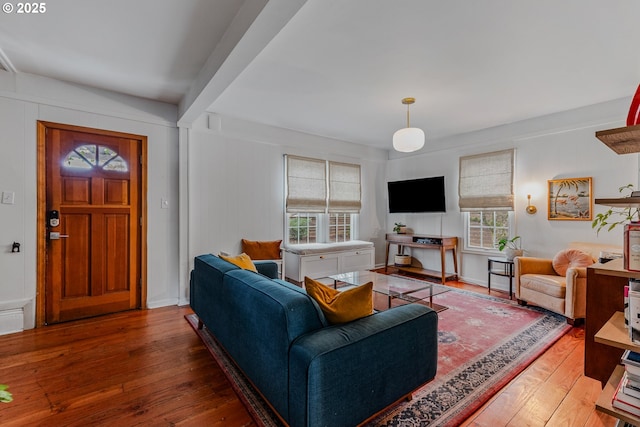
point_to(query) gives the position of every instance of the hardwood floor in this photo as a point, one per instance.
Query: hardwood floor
(149, 368)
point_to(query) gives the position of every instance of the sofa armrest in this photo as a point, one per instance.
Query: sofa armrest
(346, 373)
(531, 265)
(576, 293)
(267, 268)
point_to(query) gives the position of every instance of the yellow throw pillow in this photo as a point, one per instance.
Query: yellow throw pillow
(242, 261)
(341, 307)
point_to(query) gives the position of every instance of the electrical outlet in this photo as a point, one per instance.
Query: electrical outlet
(8, 197)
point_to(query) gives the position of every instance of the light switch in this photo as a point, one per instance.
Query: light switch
(164, 203)
(8, 197)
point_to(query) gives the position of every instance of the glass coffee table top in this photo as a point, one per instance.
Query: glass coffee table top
(392, 287)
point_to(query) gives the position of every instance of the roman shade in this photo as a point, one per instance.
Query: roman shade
(486, 181)
(344, 188)
(306, 185)
(318, 186)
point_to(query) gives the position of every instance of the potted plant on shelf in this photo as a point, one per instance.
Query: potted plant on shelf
(510, 247)
(400, 228)
(623, 214)
(627, 213)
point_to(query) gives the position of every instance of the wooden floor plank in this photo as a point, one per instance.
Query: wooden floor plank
(148, 367)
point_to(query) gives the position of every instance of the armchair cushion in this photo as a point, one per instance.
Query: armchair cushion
(552, 285)
(568, 258)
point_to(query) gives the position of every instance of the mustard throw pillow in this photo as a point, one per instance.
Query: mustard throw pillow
(341, 307)
(242, 261)
(262, 249)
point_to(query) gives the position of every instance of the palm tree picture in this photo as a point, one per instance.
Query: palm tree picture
(570, 199)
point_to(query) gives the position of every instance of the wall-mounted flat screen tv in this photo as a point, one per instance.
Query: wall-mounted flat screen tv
(417, 195)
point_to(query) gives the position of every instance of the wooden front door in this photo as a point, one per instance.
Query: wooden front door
(93, 249)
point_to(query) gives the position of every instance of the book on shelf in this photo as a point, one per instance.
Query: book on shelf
(631, 388)
(626, 306)
(634, 314)
(631, 361)
(623, 401)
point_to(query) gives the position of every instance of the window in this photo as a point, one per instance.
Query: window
(91, 156)
(485, 195)
(303, 228)
(485, 228)
(339, 227)
(314, 228)
(322, 200)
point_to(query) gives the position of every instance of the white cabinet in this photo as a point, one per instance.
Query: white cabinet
(322, 264)
(358, 260)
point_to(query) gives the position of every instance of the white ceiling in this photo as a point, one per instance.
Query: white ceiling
(339, 68)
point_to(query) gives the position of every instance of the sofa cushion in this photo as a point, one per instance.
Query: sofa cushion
(298, 289)
(341, 307)
(262, 249)
(570, 258)
(552, 285)
(243, 261)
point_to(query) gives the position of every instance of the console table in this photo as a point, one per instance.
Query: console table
(417, 241)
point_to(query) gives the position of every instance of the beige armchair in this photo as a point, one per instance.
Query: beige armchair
(538, 282)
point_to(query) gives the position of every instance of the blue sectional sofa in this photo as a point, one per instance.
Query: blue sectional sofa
(311, 373)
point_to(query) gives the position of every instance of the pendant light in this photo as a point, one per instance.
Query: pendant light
(408, 139)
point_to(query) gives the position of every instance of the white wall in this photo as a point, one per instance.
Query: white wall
(236, 172)
(562, 145)
(25, 99)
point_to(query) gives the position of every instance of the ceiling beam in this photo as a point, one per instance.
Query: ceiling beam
(252, 29)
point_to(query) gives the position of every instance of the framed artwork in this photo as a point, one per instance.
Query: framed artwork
(570, 199)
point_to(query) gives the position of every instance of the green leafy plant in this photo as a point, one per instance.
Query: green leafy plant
(5, 396)
(512, 243)
(616, 216)
(298, 229)
(397, 227)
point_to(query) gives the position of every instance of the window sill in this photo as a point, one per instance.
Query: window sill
(484, 252)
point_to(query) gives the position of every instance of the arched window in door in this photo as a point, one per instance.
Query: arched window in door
(95, 156)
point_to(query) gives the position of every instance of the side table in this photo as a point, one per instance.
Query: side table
(503, 268)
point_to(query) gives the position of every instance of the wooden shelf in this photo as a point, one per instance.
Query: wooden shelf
(603, 403)
(426, 272)
(620, 202)
(624, 140)
(615, 334)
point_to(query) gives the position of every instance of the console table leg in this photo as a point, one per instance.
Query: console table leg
(386, 258)
(489, 276)
(455, 261)
(443, 263)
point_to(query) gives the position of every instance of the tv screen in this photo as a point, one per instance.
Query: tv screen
(417, 195)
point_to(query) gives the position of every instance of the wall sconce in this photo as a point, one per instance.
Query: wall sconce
(530, 208)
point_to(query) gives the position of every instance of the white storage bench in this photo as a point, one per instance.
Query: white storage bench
(317, 260)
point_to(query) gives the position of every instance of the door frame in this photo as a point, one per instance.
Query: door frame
(41, 192)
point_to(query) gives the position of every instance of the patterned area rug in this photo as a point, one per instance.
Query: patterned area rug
(483, 343)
